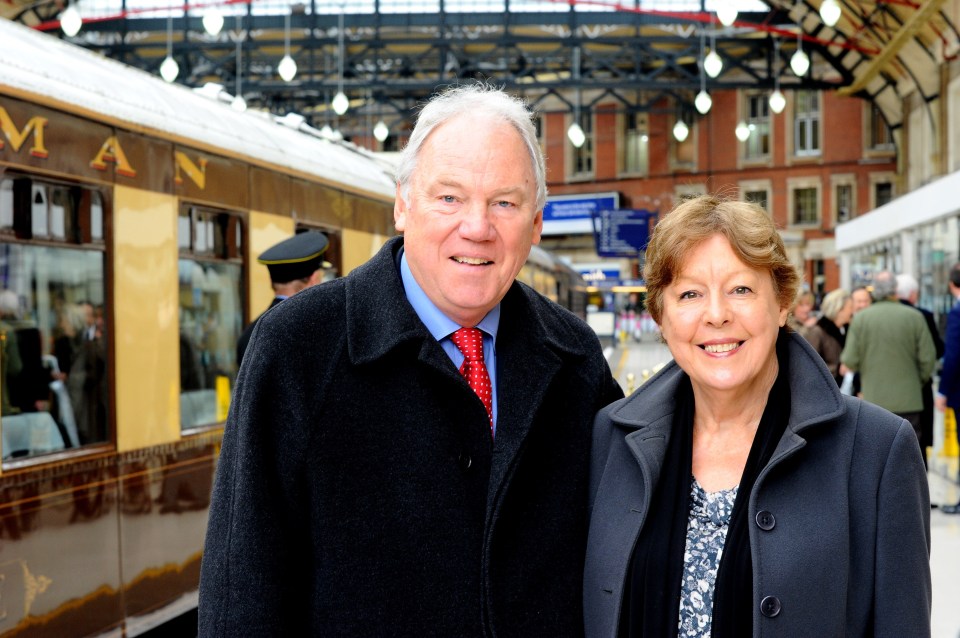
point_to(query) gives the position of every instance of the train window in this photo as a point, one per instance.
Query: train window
(211, 315)
(53, 348)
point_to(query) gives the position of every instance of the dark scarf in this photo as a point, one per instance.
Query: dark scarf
(651, 602)
(832, 330)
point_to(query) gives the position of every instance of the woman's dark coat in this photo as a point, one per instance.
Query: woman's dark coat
(840, 516)
(358, 492)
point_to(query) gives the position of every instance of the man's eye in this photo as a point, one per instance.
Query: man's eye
(504, 204)
(448, 199)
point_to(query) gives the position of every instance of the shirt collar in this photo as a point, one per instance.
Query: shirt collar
(439, 324)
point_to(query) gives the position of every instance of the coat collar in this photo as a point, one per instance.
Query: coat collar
(815, 399)
(533, 342)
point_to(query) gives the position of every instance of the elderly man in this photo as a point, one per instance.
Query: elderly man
(908, 292)
(890, 346)
(409, 456)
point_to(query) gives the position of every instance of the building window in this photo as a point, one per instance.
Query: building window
(843, 197)
(582, 165)
(805, 206)
(757, 197)
(880, 136)
(211, 312)
(757, 145)
(634, 151)
(806, 123)
(882, 193)
(53, 318)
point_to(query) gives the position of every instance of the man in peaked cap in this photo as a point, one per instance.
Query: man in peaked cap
(294, 265)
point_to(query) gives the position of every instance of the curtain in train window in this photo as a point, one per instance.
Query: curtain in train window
(211, 313)
(53, 347)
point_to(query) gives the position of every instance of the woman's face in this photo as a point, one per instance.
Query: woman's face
(721, 318)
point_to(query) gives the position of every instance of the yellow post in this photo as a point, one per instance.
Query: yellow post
(223, 397)
(950, 447)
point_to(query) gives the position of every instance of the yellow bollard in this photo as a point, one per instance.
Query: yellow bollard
(950, 447)
(631, 381)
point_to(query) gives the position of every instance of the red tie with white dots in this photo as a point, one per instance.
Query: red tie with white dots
(470, 343)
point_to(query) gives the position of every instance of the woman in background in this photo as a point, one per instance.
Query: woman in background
(827, 336)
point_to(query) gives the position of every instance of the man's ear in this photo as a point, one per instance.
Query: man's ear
(399, 211)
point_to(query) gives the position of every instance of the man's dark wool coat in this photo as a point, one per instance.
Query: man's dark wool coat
(358, 491)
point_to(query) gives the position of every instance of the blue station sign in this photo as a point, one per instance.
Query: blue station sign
(573, 214)
(623, 232)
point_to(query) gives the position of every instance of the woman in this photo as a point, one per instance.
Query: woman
(826, 335)
(802, 316)
(737, 492)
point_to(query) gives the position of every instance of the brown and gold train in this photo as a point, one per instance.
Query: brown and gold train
(130, 213)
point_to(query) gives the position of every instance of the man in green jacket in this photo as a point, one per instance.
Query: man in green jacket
(890, 346)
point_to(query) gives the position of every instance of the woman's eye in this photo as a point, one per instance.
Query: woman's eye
(742, 290)
(689, 294)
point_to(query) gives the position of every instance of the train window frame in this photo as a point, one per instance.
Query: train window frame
(212, 238)
(40, 215)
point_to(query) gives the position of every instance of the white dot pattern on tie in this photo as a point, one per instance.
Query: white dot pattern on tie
(470, 343)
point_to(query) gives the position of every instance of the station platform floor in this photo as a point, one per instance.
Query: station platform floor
(632, 362)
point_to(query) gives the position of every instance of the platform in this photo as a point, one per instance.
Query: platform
(641, 359)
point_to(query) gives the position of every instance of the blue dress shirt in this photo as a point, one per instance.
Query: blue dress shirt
(442, 326)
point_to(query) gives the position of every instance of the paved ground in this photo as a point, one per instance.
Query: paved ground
(632, 361)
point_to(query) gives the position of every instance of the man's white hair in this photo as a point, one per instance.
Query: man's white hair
(906, 286)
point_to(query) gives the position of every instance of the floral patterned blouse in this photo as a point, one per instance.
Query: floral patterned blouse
(706, 534)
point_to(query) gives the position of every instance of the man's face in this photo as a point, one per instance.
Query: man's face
(471, 217)
(861, 299)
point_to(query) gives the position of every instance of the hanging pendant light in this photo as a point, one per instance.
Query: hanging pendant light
(742, 131)
(70, 21)
(575, 132)
(777, 101)
(727, 13)
(830, 12)
(576, 135)
(169, 69)
(380, 131)
(703, 102)
(713, 64)
(213, 22)
(800, 63)
(681, 131)
(287, 69)
(340, 102)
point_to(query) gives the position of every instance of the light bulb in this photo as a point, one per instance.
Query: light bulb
(703, 102)
(213, 22)
(169, 69)
(576, 135)
(287, 68)
(70, 21)
(727, 13)
(340, 103)
(742, 131)
(239, 104)
(800, 63)
(830, 12)
(712, 64)
(380, 131)
(777, 101)
(681, 131)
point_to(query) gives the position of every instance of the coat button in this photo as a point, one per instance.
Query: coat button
(770, 606)
(465, 461)
(766, 520)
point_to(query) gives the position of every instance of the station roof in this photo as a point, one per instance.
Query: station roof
(389, 55)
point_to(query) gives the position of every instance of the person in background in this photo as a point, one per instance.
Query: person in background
(948, 391)
(890, 346)
(294, 265)
(802, 317)
(737, 492)
(908, 292)
(861, 298)
(826, 336)
(409, 456)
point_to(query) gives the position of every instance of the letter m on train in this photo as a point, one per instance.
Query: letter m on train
(35, 126)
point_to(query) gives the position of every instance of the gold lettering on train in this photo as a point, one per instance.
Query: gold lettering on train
(112, 152)
(197, 174)
(35, 125)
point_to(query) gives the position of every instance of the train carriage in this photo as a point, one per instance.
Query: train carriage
(130, 214)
